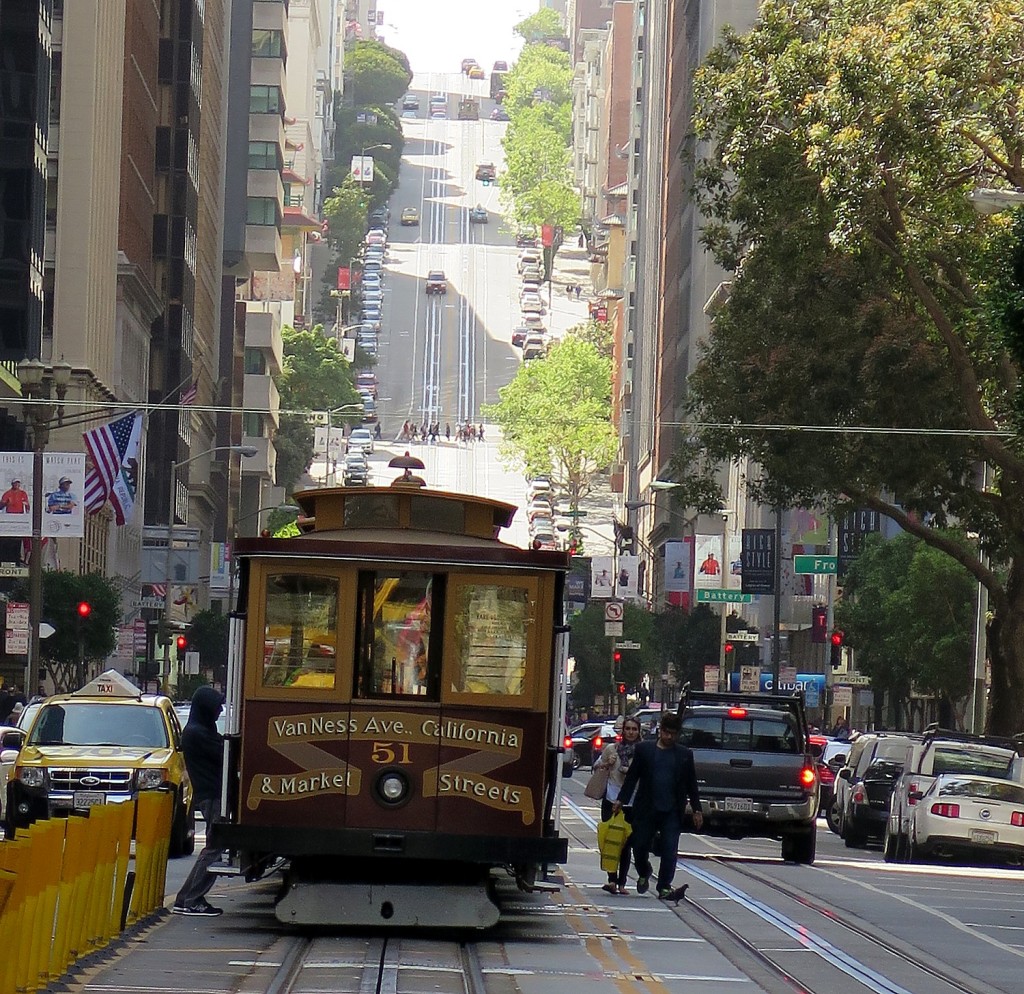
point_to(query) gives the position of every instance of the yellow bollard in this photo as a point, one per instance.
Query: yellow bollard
(123, 828)
(46, 853)
(83, 852)
(145, 854)
(28, 967)
(102, 873)
(60, 955)
(14, 855)
(163, 846)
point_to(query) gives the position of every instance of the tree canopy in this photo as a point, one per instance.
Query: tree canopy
(908, 616)
(315, 377)
(545, 23)
(377, 73)
(555, 417)
(866, 356)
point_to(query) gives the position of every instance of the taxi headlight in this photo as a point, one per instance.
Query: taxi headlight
(151, 779)
(31, 776)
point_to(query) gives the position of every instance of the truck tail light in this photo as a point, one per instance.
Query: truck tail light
(737, 712)
(1017, 819)
(567, 742)
(946, 810)
(910, 793)
(598, 742)
(858, 796)
(807, 776)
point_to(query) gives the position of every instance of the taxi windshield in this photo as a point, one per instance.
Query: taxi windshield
(74, 724)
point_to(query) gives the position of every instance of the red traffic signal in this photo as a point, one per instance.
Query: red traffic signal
(622, 688)
(84, 609)
(729, 647)
(836, 650)
(617, 656)
(837, 638)
(181, 642)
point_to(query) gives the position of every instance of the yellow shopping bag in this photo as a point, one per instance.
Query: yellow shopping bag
(611, 837)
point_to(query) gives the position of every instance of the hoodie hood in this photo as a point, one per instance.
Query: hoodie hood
(206, 705)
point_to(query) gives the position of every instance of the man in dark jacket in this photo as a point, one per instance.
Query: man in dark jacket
(203, 747)
(661, 779)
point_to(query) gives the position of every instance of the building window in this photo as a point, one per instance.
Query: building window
(254, 362)
(261, 210)
(267, 44)
(265, 100)
(264, 155)
(252, 424)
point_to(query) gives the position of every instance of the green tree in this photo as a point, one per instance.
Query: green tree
(95, 635)
(208, 635)
(597, 333)
(555, 417)
(592, 650)
(686, 642)
(345, 212)
(543, 24)
(377, 74)
(907, 612)
(315, 377)
(839, 141)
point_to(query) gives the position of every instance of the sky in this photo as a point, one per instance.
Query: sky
(437, 35)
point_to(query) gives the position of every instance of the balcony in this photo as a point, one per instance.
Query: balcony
(260, 394)
(264, 463)
(266, 128)
(263, 247)
(265, 183)
(263, 331)
(271, 15)
(269, 72)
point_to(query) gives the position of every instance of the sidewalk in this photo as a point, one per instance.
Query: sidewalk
(571, 267)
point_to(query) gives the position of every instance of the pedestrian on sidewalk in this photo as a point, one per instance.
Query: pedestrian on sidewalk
(203, 748)
(660, 780)
(579, 290)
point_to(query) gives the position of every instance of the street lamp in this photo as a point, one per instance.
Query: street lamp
(362, 157)
(39, 383)
(244, 450)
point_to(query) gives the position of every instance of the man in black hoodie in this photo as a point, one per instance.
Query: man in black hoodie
(203, 747)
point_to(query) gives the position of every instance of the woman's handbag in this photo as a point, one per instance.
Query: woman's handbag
(611, 837)
(597, 784)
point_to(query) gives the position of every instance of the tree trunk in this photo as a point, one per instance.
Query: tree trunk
(1006, 656)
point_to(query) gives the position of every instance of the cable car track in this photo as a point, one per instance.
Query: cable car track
(845, 966)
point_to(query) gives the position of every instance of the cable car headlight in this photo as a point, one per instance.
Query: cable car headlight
(392, 787)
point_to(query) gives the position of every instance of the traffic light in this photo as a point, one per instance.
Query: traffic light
(622, 688)
(84, 610)
(729, 647)
(182, 644)
(836, 656)
(819, 625)
(616, 658)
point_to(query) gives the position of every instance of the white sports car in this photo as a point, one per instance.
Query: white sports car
(965, 815)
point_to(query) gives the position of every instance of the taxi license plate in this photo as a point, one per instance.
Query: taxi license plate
(983, 837)
(89, 798)
(743, 805)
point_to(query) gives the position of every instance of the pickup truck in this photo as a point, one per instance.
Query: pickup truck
(940, 751)
(756, 774)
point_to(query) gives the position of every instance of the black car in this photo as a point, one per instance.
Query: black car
(589, 740)
(867, 807)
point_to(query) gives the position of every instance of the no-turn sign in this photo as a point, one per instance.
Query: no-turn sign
(613, 611)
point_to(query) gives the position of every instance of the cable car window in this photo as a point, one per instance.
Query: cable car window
(492, 627)
(437, 515)
(398, 656)
(371, 511)
(300, 645)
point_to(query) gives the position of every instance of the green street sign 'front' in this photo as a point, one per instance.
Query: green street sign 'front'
(706, 596)
(815, 564)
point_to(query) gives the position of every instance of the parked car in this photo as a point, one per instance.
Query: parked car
(467, 63)
(410, 215)
(520, 334)
(499, 114)
(526, 239)
(867, 783)
(500, 66)
(965, 815)
(410, 102)
(530, 303)
(486, 171)
(367, 382)
(437, 282)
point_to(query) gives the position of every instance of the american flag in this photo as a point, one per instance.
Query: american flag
(158, 590)
(114, 450)
(187, 397)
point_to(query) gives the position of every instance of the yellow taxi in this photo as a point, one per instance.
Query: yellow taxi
(102, 744)
(475, 72)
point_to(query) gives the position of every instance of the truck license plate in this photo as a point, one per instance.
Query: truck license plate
(985, 838)
(89, 798)
(743, 805)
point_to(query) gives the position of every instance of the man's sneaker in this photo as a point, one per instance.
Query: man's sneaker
(201, 909)
(664, 892)
(642, 885)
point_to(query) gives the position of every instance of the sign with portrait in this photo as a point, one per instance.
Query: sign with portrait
(708, 562)
(61, 498)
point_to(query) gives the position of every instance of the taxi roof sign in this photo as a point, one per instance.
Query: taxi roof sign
(109, 684)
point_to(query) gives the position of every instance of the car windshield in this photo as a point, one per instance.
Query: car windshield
(984, 762)
(99, 724)
(967, 787)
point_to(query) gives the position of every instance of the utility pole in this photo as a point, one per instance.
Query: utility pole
(777, 622)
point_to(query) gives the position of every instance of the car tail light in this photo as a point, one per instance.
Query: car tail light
(1017, 819)
(946, 810)
(807, 776)
(826, 774)
(737, 712)
(858, 796)
(567, 742)
(598, 742)
(618, 738)
(910, 794)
